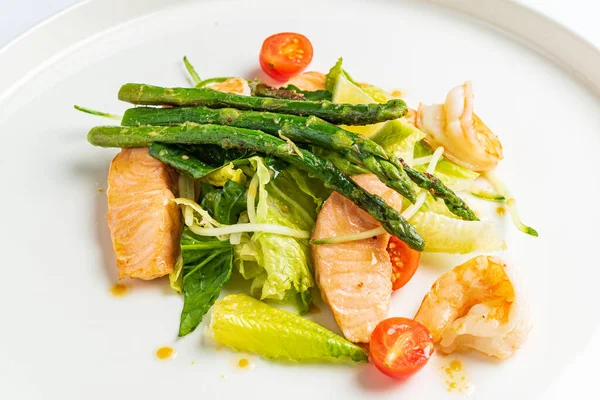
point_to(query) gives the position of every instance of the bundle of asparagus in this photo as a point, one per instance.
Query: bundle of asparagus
(205, 116)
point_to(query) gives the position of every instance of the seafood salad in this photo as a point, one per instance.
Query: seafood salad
(317, 184)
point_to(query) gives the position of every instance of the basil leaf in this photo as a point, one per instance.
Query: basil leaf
(207, 265)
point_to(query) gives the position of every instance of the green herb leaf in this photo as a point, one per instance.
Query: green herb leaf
(226, 204)
(207, 265)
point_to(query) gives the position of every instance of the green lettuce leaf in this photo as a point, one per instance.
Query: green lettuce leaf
(443, 234)
(280, 266)
(224, 174)
(377, 94)
(207, 265)
(399, 137)
(175, 277)
(452, 175)
(333, 75)
(246, 324)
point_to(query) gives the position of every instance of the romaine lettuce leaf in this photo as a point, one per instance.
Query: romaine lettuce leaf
(246, 324)
(333, 75)
(399, 137)
(450, 235)
(280, 266)
(377, 94)
(452, 175)
(224, 174)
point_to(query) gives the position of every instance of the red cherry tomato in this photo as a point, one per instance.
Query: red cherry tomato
(405, 262)
(400, 347)
(285, 54)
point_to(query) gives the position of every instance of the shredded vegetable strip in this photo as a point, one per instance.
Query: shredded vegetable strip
(186, 191)
(212, 80)
(291, 145)
(207, 220)
(251, 198)
(239, 228)
(421, 160)
(193, 74)
(210, 227)
(485, 194)
(511, 203)
(98, 113)
(412, 210)
(408, 213)
(350, 238)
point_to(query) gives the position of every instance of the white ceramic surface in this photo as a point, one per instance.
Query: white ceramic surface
(66, 337)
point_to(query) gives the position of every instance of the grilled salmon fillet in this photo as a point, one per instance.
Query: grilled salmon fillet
(354, 277)
(145, 225)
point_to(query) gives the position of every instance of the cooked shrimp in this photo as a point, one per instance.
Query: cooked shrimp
(232, 85)
(309, 81)
(411, 117)
(476, 305)
(453, 125)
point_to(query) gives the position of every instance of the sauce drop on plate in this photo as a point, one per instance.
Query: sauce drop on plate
(313, 309)
(501, 211)
(165, 353)
(243, 363)
(119, 289)
(456, 377)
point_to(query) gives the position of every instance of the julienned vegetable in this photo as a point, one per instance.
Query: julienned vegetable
(227, 137)
(246, 324)
(348, 114)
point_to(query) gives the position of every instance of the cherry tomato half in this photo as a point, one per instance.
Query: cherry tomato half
(285, 54)
(400, 347)
(405, 262)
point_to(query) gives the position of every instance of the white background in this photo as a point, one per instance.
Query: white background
(581, 16)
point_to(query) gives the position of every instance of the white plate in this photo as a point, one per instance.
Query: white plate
(64, 336)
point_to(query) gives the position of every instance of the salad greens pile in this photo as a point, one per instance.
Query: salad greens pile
(254, 173)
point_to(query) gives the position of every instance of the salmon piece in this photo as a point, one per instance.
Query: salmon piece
(309, 81)
(145, 225)
(354, 277)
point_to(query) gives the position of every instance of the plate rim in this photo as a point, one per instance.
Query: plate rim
(21, 59)
(553, 44)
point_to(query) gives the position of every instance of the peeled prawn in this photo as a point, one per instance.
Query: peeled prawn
(232, 85)
(309, 81)
(453, 125)
(476, 305)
